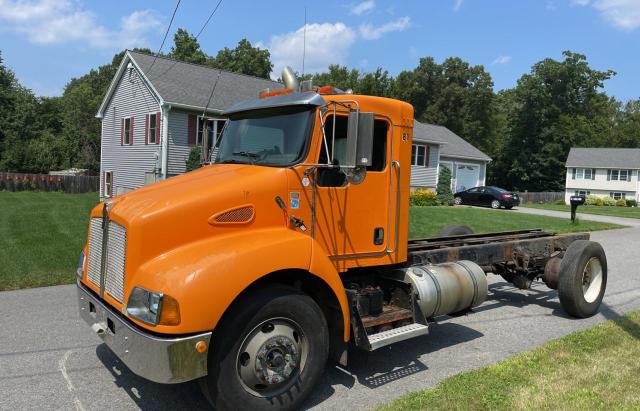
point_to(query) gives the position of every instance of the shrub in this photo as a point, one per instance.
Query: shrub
(621, 203)
(423, 197)
(599, 202)
(592, 200)
(193, 161)
(609, 201)
(632, 203)
(445, 196)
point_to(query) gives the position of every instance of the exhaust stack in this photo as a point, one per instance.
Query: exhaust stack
(289, 78)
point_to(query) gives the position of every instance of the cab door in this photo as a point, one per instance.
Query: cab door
(352, 220)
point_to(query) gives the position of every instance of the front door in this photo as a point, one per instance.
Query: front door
(353, 219)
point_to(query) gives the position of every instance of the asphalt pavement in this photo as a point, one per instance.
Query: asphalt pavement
(49, 359)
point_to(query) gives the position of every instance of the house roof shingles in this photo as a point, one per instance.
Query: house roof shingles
(451, 145)
(604, 157)
(191, 84)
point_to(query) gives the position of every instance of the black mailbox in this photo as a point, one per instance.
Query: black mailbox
(575, 202)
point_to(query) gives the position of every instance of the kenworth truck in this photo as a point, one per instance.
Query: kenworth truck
(290, 247)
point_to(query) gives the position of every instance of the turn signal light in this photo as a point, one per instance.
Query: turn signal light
(170, 313)
(266, 94)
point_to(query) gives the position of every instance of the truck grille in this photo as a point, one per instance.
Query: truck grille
(115, 257)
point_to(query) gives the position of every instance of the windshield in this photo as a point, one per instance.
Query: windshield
(275, 137)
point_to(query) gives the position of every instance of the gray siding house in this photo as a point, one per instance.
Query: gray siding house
(436, 146)
(154, 113)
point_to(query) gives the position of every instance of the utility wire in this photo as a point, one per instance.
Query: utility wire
(166, 33)
(196, 38)
(207, 22)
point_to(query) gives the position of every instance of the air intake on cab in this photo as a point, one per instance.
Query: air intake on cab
(240, 215)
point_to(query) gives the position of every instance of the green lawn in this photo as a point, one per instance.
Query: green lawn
(41, 234)
(628, 212)
(594, 369)
(428, 221)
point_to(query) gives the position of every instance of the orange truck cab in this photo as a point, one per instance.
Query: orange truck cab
(290, 243)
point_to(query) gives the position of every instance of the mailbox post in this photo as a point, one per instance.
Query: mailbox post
(575, 202)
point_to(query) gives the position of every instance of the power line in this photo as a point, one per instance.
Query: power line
(166, 33)
(207, 22)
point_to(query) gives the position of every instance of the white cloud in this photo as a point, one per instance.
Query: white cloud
(457, 4)
(369, 32)
(364, 7)
(327, 43)
(62, 21)
(623, 14)
(502, 60)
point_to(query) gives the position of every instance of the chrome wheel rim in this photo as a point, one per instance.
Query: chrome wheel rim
(271, 357)
(592, 279)
(495, 204)
(457, 200)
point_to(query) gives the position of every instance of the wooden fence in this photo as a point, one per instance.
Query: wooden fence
(541, 197)
(45, 182)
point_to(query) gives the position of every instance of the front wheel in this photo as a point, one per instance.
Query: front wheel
(583, 278)
(495, 204)
(457, 200)
(268, 354)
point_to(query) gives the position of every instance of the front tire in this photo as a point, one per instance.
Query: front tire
(495, 204)
(457, 200)
(583, 278)
(268, 353)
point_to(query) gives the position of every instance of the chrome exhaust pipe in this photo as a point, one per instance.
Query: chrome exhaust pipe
(289, 78)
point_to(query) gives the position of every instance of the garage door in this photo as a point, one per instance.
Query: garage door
(467, 176)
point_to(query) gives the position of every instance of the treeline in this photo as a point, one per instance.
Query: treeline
(527, 130)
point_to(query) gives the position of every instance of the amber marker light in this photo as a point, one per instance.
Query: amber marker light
(201, 346)
(170, 313)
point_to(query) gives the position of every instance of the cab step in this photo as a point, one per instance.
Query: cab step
(394, 335)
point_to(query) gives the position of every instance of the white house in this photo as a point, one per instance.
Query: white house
(603, 172)
(435, 146)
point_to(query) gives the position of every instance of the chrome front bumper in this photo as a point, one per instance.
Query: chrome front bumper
(159, 359)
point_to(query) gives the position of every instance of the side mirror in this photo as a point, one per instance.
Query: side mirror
(359, 139)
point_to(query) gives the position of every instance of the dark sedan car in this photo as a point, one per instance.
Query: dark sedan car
(494, 197)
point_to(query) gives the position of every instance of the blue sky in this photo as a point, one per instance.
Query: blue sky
(47, 42)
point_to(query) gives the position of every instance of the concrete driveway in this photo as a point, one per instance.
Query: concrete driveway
(50, 360)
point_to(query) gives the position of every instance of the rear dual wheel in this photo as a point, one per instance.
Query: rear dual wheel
(583, 278)
(269, 353)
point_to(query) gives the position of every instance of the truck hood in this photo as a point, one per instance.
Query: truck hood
(181, 210)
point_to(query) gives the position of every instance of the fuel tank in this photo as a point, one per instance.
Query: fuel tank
(447, 288)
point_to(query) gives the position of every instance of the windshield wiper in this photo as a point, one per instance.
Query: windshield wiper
(248, 154)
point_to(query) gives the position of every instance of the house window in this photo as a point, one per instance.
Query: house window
(420, 155)
(108, 183)
(619, 175)
(127, 131)
(152, 128)
(582, 193)
(214, 128)
(584, 173)
(618, 196)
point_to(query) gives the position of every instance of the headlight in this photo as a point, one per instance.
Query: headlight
(81, 260)
(153, 308)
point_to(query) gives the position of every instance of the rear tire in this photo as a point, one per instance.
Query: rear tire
(583, 278)
(268, 353)
(451, 230)
(495, 204)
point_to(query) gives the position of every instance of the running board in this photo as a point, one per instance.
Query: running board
(395, 335)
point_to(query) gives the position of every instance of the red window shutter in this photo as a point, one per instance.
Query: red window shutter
(146, 129)
(191, 129)
(158, 127)
(122, 131)
(131, 132)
